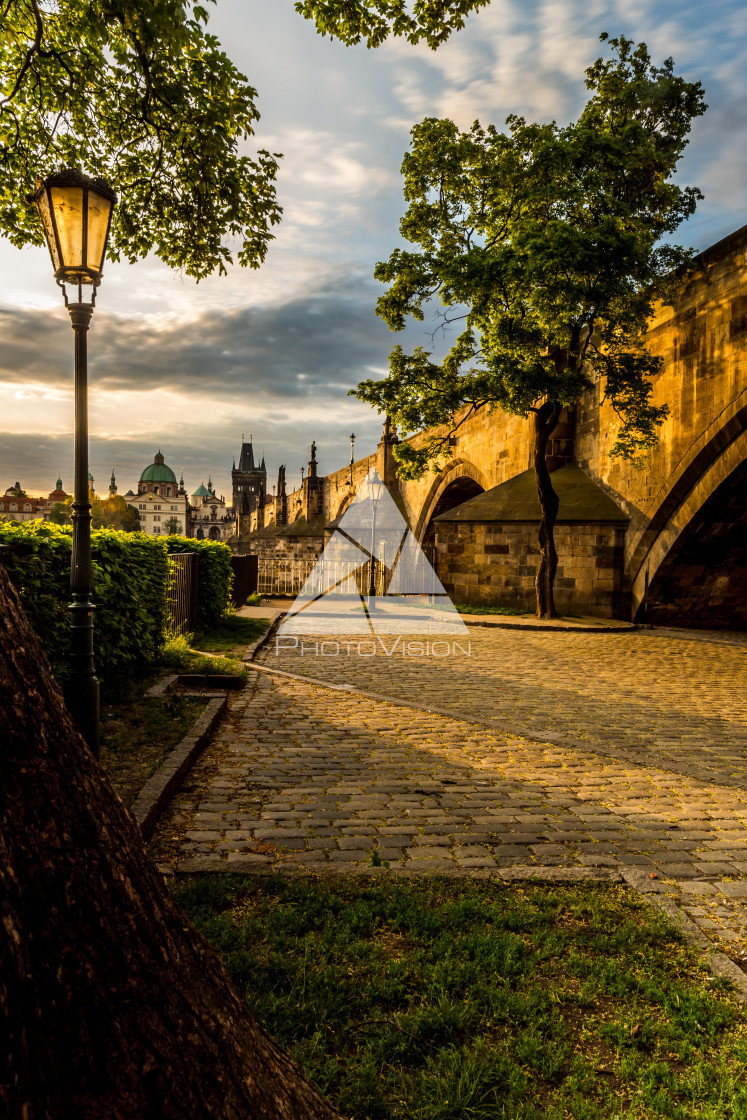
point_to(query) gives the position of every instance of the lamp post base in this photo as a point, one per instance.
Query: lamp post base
(82, 701)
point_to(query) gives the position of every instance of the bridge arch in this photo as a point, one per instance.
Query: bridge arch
(347, 499)
(457, 482)
(704, 503)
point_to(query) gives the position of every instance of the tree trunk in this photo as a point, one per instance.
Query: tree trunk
(545, 421)
(113, 1006)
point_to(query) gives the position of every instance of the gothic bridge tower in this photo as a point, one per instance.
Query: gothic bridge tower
(249, 482)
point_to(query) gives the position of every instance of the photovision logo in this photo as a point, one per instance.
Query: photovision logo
(407, 598)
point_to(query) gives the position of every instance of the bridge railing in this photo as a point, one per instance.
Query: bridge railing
(289, 577)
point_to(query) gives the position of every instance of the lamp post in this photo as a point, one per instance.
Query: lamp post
(76, 214)
(352, 457)
(375, 490)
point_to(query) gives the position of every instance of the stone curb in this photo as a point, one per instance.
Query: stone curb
(156, 792)
(563, 628)
(252, 650)
(160, 689)
(212, 864)
(719, 964)
(160, 787)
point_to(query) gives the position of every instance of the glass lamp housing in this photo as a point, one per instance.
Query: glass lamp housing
(76, 214)
(375, 487)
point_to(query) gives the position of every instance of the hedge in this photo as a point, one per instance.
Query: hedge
(130, 571)
(215, 576)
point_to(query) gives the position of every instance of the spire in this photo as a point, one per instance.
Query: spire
(181, 490)
(246, 459)
(112, 484)
(210, 483)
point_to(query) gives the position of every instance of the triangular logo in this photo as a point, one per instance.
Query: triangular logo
(407, 596)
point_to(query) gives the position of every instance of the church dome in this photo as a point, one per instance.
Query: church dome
(201, 491)
(157, 471)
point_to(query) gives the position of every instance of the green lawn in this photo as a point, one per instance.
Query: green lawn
(451, 999)
(231, 634)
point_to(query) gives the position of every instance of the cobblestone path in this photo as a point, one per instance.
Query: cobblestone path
(633, 753)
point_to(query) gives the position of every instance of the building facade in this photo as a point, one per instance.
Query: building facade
(161, 503)
(210, 517)
(15, 505)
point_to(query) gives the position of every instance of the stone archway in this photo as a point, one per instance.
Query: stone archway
(344, 505)
(458, 482)
(702, 581)
(686, 512)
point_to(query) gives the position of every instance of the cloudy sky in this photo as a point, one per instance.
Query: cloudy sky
(189, 368)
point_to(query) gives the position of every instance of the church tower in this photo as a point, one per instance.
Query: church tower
(249, 481)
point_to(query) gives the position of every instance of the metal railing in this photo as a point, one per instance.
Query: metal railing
(289, 577)
(181, 593)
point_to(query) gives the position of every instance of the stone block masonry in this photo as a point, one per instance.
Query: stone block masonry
(496, 563)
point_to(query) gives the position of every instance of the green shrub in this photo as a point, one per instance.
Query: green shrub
(130, 571)
(215, 577)
(38, 564)
(129, 588)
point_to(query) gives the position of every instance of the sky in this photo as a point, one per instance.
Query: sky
(190, 369)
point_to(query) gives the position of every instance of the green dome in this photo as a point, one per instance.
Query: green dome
(158, 471)
(201, 491)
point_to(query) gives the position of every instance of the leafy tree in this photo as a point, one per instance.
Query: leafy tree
(138, 92)
(60, 513)
(141, 94)
(546, 242)
(374, 20)
(114, 513)
(172, 526)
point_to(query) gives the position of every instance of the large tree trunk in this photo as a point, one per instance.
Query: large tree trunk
(545, 421)
(113, 1005)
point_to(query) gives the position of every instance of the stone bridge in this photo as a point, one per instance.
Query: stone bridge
(668, 538)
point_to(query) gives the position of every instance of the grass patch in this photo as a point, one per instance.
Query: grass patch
(444, 999)
(179, 656)
(138, 734)
(231, 635)
(471, 608)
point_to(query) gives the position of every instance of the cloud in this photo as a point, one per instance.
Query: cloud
(281, 371)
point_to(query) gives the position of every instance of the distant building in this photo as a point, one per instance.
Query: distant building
(210, 517)
(249, 483)
(161, 503)
(17, 506)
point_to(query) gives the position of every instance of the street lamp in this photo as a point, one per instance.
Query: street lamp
(352, 457)
(76, 213)
(375, 491)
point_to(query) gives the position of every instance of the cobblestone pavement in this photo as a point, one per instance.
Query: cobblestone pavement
(633, 755)
(671, 698)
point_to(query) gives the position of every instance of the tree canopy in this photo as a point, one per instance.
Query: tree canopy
(139, 93)
(374, 20)
(546, 243)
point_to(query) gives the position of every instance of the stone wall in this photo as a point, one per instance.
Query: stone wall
(703, 343)
(495, 565)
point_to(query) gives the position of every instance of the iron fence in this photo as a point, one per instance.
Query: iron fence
(181, 593)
